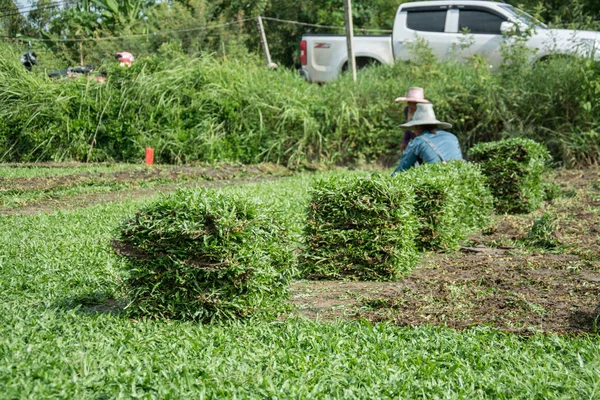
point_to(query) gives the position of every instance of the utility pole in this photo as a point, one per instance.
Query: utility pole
(265, 44)
(81, 53)
(350, 38)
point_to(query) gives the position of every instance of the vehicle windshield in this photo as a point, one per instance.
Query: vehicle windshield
(523, 16)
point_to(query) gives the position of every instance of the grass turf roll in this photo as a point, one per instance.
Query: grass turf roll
(201, 255)
(513, 168)
(451, 200)
(359, 227)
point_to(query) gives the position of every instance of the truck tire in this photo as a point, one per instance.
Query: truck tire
(361, 63)
(551, 57)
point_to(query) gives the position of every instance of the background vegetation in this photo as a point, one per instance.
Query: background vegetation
(199, 91)
(214, 109)
(52, 20)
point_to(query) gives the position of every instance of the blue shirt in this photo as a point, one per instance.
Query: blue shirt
(419, 150)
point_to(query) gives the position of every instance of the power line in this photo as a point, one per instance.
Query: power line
(325, 26)
(31, 10)
(25, 8)
(204, 28)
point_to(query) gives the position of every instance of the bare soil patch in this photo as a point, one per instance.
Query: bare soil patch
(496, 280)
(125, 185)
(524, 294)
(165, 173)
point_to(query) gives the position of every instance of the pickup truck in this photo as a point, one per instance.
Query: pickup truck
(454, 29)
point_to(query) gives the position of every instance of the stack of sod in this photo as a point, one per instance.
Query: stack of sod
(513, 168)
(451, 200)
(201, 255)
(359, 227)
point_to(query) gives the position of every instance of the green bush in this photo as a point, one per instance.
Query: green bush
(206, 109)
(513, 168)
(359, 227)
(451, 200)
(581, 149)
(201, 255)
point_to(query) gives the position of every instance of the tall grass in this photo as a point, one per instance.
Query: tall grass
(207, 109)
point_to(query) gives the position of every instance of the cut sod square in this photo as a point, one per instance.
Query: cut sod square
(359, 227)
(451, 200)
(513, 168)
(202, 255)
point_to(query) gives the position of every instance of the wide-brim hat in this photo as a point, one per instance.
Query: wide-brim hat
(416, 95)
(424, 115)
(124, 56)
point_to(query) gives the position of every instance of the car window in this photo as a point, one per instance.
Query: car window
(426, 20)
(522, 16)
(480, 22)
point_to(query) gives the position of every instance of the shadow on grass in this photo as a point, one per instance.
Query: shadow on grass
(94, 303)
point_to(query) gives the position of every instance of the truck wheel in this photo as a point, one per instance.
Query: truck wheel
(551, 57)
(361, 63)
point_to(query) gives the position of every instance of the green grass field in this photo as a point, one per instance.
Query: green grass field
(63, 333)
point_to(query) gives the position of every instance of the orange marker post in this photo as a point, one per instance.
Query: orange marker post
(149, 156)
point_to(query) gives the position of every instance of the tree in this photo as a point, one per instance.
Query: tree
(12, 22)
(41, 16)
(116, 15)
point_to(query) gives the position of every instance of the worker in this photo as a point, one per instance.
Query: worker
(124, 58)
(415, 95)
(28, 60)
(432, 143)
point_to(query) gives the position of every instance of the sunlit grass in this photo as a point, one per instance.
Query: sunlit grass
(62, 334)
(11, 171)
(26, 184)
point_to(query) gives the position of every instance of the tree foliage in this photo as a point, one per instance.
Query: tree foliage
(132, 18)
(11, 22)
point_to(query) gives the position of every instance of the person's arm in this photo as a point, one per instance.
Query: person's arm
(408, 159)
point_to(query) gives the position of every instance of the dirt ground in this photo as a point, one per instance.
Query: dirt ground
(166, 173)
(128, 184)
(494, 280)
(525, 294)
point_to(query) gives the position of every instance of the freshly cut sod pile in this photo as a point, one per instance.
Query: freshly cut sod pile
(202, 255)
(370, 228)
(360, 227)
(451, 200)
(514, 169)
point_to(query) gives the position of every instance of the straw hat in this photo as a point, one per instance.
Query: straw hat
(415, 94)
(125, 58)
(425, 116)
